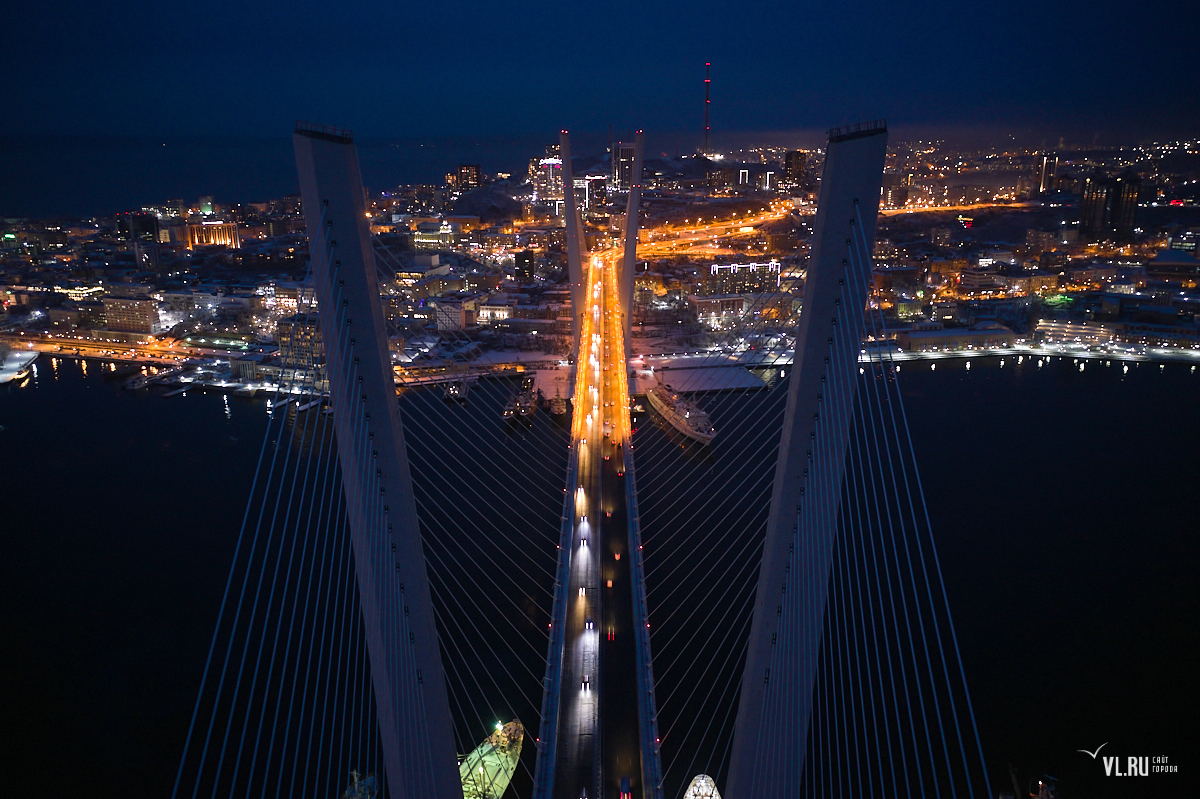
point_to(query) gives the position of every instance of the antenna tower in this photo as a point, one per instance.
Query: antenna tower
(707, 102)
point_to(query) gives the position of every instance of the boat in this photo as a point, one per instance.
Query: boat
(526, 398)
(487, 771)
(456, 390)
(510, 408)
(682, 414)
(526, 404)
(138, 382)
(558, 405)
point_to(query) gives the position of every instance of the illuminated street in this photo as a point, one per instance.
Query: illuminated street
(598, 639)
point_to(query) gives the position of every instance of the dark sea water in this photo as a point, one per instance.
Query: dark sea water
(1063, 503)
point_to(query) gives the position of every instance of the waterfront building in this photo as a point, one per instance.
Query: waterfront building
(932, 337)
(1090, 333)
(131, 315)
(299, 338)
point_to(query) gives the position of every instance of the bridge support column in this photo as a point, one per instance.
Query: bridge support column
(785, 639)
(402, 643)
(575, 239)
(629, 262)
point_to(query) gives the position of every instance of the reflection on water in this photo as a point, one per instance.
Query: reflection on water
(1058, 497)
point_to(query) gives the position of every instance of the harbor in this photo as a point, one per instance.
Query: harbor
(16, 366)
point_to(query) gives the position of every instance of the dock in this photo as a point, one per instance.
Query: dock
(15, 364)
(552, 382)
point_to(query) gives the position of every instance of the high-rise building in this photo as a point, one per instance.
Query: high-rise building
(895, 196)
(622, 165)
(146, 255)
(795, 167)
(299, 339)
(546, 175)
(590, 190)
(526, 263)
(468, 177)
(1046, 173)
(1109, 206)
(131, 314)
(137, 225)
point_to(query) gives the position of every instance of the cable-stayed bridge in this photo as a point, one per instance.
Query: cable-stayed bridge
(429, 602)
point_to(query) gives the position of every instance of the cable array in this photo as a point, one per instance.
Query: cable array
(289, 704)
(703, 512)
(286, 705)
(489, 497)
(885, 627)
(889, 708)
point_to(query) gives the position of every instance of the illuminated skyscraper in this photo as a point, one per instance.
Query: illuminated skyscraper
(546, 175)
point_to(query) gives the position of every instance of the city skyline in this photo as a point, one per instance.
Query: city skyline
(320, 454)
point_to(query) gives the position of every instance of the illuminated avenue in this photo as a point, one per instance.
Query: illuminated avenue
(598, 638)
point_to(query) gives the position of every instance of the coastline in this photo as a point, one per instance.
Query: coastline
(16, 364)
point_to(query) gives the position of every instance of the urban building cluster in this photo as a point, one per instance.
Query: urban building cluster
(976, 249)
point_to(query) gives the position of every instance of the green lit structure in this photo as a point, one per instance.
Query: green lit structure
(488, 769)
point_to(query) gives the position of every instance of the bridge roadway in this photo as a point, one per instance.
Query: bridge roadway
(598, 752)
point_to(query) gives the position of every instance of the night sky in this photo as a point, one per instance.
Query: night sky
(1082, 69)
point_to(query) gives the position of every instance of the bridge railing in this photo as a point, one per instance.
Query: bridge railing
(543, 779)
(647, 706)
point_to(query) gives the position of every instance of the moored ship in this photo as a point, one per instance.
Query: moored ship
(457, 390)
(682, 414)
(487, 771)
